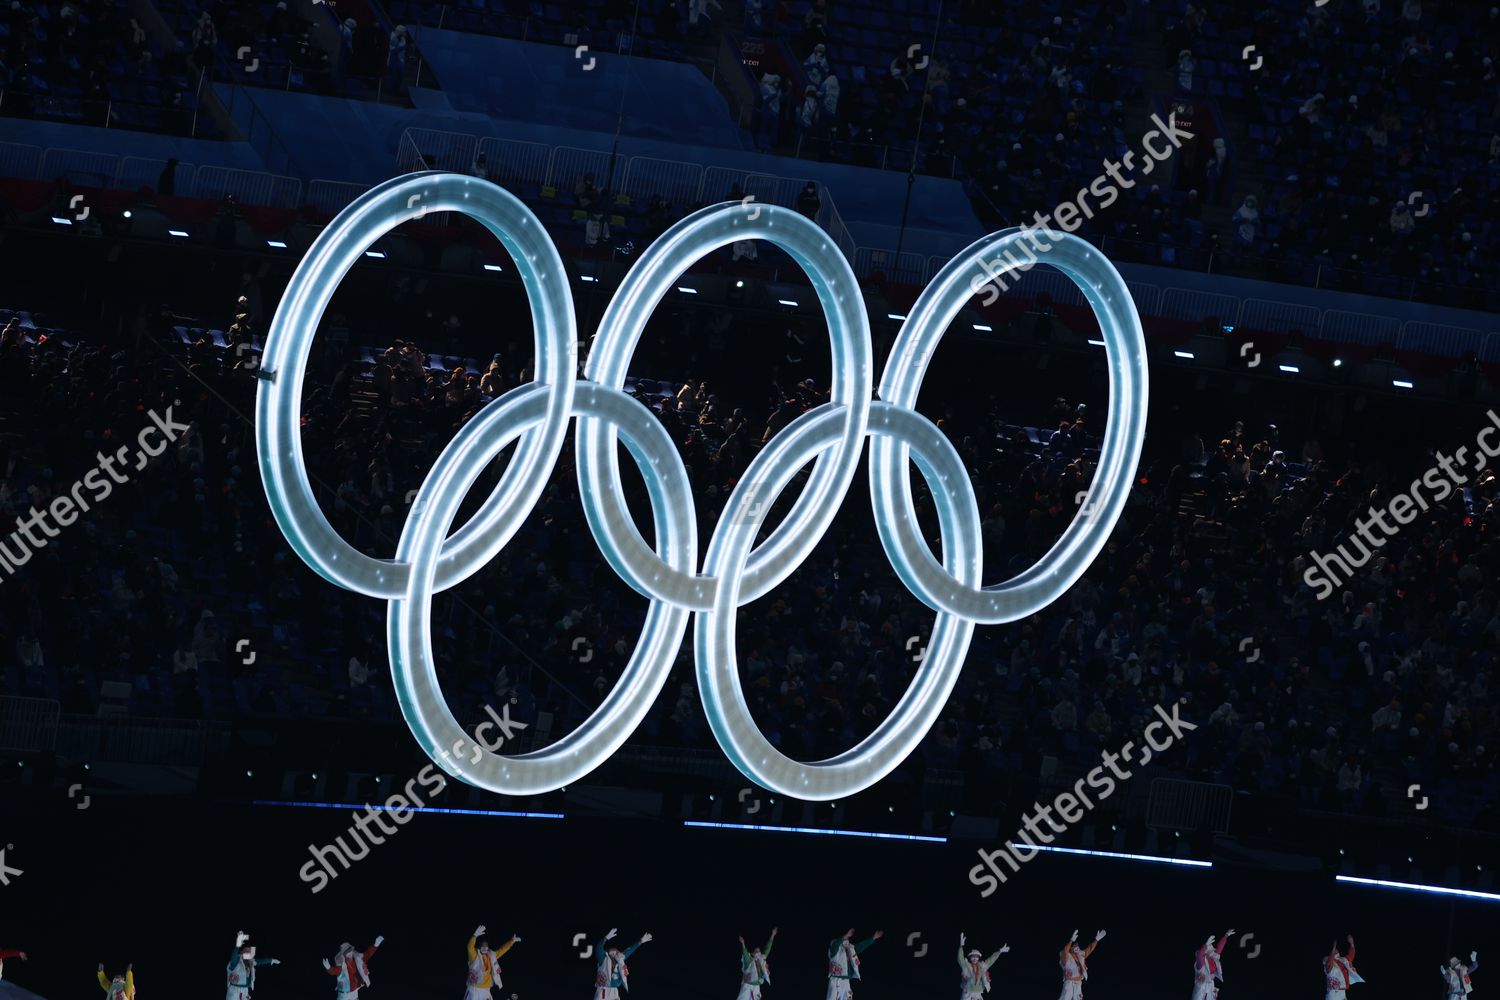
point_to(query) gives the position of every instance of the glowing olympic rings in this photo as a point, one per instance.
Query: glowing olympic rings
(734, 571)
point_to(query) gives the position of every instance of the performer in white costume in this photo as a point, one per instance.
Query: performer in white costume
(1339, 972)
(974, 970)
(1075, 966)
(1456, 976)
(1208, 967)
(755, 968)
(484, 964)
(352, 969)
(611, 975)
(241, 968)
(843, 963)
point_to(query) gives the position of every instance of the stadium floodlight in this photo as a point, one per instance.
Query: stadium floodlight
(493, 267)
(895, 316)
(1290, 369)
(787, 302)
(276, 243)
(377, 254)
(1183, 354)
(684, 289)
(1400, 383)
(177, 232)
(62, 221)
(828, 440)
(1096, 343)
(816, 830)
(1338, 362)
(588, 277)
(984, 329)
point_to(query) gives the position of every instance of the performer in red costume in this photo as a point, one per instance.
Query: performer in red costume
(352, 969)
(1208, 967)
(1339, 972)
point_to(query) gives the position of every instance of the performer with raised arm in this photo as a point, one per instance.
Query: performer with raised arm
(755, 968)
(843, 963)
(484, 964)
(9, 953)
(1208, 967)
(611, 975)
(121, 986)
(352, 969)
(241, 968)
(1338, 970)
(975, 969)
(1075, 966)
(1456, 976)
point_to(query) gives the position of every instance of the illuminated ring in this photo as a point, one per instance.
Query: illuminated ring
(410, 638)
(1125, 431)
(713, 639)
(278, 408)
(657, 272)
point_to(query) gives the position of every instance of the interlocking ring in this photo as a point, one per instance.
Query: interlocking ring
(735, 571)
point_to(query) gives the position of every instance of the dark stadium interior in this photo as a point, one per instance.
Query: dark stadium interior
(1316, 280)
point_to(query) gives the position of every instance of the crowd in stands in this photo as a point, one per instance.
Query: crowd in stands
(1198, 598)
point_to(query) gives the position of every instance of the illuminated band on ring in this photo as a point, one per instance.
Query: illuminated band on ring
(735, 571)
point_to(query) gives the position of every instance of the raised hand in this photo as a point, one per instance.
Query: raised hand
(1210, 942)
(645, 938)
(963, 939)
(1229, 934)
(327, 964)
(515, 939)
(1473, 957)
(774, 930)
(240, 939)
(101, 966)
(1073, 938)
(742, 939)
(849, 934)
(479, 931)
(612, 932)
(1005, 948)
(275, 961)
(877, 935)
(130, 967)
(379, 940)
(1098, 935)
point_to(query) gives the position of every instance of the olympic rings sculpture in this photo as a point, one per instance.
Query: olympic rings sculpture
(734, 571)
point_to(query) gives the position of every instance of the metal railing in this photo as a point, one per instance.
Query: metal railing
(1175, 804)
(126, 739)
(28, 725)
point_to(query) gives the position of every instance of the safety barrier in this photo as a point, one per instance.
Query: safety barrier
(1278, 317)
(331, 197)
(80, 166)
(647, 177)
(136, 172)
(252, 187)
(28, 725)
(512, 161)
(19, 160)
(1187, 806)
